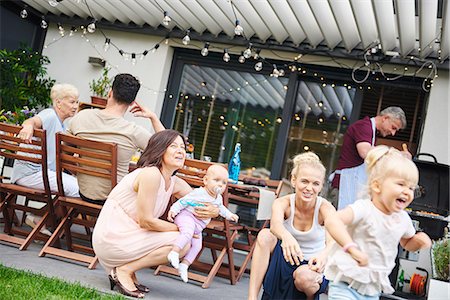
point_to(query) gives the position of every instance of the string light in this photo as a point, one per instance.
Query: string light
(259, 66)
(275, 72)
(91, 27)
(133, 59)
(238, 29)
(107, 44)
(186, 39)
(248, 52)
(226, 55)
(61, 30)
(44, 23)
(54, 3)
(166, 20)
(241, 58)
(205, 50)
(24, 13)
(155, 48)
(145, 54)
(72, 31)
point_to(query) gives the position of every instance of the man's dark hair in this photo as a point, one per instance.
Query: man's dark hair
(125, 88)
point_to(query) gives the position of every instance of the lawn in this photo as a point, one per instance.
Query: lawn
(16, 284)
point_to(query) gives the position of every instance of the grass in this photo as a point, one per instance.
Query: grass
(16, 284)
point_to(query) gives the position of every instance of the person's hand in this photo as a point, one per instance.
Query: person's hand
(291, 250)
(26, 133)
(207, 211)
(317, 263)
(234, 217)
(141, 111)
(361, 258)
(171, 215)
(405, 151)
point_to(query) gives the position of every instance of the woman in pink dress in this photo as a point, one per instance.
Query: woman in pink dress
(129, 234)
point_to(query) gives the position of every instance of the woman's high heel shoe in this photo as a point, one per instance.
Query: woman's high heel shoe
(123, 290)
(142, 288)
(112, 282)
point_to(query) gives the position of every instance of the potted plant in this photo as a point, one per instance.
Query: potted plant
(439, 284)
(100, 88)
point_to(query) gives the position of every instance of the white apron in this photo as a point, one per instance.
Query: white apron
(353, 180)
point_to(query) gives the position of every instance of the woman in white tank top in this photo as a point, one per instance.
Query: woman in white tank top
(291, 256)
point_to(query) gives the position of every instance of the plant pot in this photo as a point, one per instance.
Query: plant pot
(98, 100)
(438, 289)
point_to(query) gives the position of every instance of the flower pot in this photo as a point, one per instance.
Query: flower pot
(438, 290)
(98, 100)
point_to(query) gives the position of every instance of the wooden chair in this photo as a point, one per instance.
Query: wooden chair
(94, 158)
(36, 152)
(248, 197)
(218, 236)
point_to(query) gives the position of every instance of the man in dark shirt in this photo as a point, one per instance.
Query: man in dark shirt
(350, 175)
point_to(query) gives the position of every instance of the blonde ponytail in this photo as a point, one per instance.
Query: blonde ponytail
(383, 161)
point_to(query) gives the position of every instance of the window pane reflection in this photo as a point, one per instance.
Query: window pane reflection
(218, 108)
(319, 121)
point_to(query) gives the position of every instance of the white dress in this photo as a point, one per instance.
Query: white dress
(378, 235)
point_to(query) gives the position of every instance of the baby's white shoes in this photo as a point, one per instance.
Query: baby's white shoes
(174, 259)
(183, 271)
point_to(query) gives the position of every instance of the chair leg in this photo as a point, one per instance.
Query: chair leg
(57, 233)
(35, 232)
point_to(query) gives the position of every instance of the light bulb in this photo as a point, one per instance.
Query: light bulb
(186, 39)
(23, 13)
(107, 44)
(248, 51)
(44, 23)
(91, 27)
(241, 59)
(133, 59)
(281, 72)
(238, 30)
(226, 56)
(275, 71)
(144, 54)
(53, 3)
(72, 31)
(61, 30)
(166, 20)
(258, 66)
(205, 50)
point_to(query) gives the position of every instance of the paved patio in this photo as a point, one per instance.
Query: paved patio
(162, 287)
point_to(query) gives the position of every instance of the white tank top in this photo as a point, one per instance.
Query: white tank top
(312, 241)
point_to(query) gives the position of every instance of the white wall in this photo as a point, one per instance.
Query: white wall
(69, 58)
(69, 63)
(435, 139)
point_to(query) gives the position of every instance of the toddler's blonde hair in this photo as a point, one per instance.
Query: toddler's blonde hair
(383, 161)
(309, 159)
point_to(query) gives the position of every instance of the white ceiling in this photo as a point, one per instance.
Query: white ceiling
(408, 27)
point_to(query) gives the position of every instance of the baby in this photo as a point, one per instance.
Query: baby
(215, 182)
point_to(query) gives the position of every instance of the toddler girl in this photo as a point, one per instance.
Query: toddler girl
(364, 256)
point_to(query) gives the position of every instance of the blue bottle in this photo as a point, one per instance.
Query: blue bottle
(235, 164)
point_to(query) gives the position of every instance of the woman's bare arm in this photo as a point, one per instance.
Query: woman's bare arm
(147, 185)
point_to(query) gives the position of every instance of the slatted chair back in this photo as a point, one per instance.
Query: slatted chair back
(218, 235)
(13, 147)
(79, 156)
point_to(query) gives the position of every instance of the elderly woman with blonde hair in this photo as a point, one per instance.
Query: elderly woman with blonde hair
(64, 105)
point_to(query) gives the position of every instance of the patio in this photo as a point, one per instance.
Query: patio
(162, 287)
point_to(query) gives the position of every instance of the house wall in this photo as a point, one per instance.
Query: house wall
(69, 63)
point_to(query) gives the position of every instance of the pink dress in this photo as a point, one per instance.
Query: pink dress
(117, 238)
